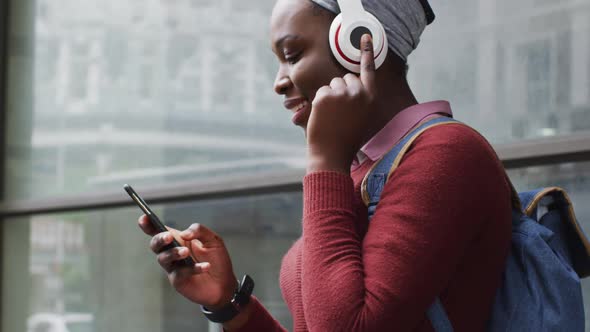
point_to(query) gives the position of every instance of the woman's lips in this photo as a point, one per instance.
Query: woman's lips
(300, 107)
(301, 114)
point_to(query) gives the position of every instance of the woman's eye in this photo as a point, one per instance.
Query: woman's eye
(292, 59)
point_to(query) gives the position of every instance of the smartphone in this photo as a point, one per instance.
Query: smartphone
(155, 221)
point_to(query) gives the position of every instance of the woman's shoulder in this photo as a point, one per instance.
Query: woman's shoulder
(455, 152)
(455, 132)
(455, 140)
(453, 165)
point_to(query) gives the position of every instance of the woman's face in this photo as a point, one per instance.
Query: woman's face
(299, 38)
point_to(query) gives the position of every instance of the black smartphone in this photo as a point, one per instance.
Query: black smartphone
(158, 225)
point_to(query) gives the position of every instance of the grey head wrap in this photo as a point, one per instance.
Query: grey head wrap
(403, 21)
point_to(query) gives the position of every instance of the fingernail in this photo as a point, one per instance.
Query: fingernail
(182, 251)
(168, 237)
(203, 266)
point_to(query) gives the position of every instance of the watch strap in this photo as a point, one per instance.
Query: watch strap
(232, 309)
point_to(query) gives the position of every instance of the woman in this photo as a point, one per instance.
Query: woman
(428, 237)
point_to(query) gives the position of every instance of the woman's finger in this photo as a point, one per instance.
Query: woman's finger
(146, 226)
(167, 258)
(353, 82)
(181, 274)
(337, 83)
(322, 92)
(159, 241)
(367, 63)
(199, 232)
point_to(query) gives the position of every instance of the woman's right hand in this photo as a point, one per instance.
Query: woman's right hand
(211, 282)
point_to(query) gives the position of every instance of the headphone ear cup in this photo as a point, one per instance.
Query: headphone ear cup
(334, 30)
(348, 55)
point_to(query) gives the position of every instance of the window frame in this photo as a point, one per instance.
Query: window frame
(4, 18)
(4, 27)
(537, 152)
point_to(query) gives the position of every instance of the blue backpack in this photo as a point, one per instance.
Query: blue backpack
(549, 254)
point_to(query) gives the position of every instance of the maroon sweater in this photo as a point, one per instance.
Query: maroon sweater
(442, 228)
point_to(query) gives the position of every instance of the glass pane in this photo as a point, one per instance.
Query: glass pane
(110, 91)
(575, 178)
(95, 272)
(106, 92)
(512, 69)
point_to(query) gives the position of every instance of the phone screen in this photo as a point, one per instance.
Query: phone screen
(155, 221)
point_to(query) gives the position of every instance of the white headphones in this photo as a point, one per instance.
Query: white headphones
(346, 32)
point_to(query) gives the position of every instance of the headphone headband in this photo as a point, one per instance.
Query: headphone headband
(351, 8)
(351, 11)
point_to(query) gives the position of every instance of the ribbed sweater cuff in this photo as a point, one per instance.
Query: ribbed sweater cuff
(260, 319)
(327, 190)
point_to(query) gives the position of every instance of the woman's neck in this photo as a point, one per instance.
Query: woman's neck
(393, 97)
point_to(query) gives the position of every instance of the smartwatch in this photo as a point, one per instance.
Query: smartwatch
(234, 307)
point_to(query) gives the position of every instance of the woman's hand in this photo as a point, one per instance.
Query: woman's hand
(340, 116)
(211, 282)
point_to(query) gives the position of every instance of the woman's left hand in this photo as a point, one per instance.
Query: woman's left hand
(340, 116)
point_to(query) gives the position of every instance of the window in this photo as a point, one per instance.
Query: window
(525, 69)
(159, 103)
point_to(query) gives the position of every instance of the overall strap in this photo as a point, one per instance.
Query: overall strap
(372, 186)
(378, 175)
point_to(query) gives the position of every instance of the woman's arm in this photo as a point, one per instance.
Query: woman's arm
(423, 226)
(211, 282)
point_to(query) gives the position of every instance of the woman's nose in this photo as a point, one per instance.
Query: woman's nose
(282, 84)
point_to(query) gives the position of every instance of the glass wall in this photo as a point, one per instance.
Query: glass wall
(163, 91)
(143, 92)
(512, 69)
(94, 271)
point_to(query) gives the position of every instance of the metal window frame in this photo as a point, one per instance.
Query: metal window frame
(537, 152)
(546, 151)
(4, 30)
(4, 27)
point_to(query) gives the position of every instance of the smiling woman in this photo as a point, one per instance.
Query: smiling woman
(344, 273)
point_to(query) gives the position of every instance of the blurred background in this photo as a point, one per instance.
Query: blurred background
(175, 97)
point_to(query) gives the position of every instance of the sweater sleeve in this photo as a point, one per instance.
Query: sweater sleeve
(260, 319)
(424, 223)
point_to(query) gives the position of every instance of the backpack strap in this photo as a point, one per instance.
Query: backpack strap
(438, 317)
(557, 198)
(381, 171)
(377, 176)
(373, 184)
